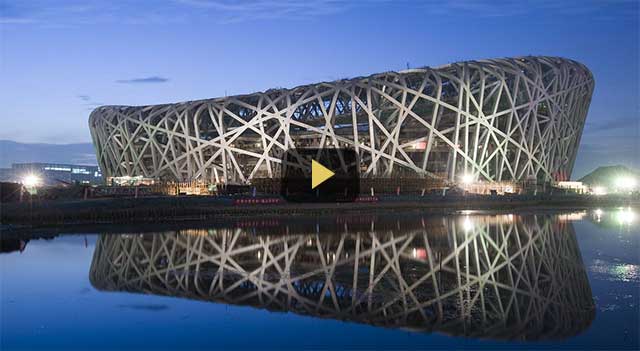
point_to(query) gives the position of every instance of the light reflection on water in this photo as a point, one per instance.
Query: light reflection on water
(487, 278)
(479, 276)
(624, 217)
(616, 271)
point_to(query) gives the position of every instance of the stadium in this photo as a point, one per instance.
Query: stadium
(491, 122)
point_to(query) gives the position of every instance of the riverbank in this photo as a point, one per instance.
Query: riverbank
(172, 209)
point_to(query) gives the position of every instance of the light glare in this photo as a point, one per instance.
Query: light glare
(626, 183)
(467, 225)
(625, 216)
(599, 190)
(31, 180)
(467, 179)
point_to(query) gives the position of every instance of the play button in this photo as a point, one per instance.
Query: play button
(320, 175)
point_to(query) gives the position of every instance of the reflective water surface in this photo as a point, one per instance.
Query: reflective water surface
(412, 280)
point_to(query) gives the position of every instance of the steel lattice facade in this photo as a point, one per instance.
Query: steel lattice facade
(500, 277)
(495, 120)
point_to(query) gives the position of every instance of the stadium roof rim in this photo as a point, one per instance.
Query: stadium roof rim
(495, 61)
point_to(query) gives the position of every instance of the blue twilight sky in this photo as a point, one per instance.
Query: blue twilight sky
(60, 59)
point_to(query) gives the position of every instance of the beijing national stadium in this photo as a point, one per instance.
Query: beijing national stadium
(497, 121)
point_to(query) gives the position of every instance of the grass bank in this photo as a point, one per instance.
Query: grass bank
(171, 209)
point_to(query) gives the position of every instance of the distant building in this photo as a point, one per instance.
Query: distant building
(52, 173)
(577, 187)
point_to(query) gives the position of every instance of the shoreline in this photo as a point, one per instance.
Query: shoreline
(41, 215)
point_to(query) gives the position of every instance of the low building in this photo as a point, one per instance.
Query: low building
(577, 187)
(52, 173)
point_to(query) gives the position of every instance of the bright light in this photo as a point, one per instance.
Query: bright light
(467, 179)
(626, 183)
(467, 225)
(31, 180)
(419, 253)
(625, 216)
(599, 190)
(598, 213)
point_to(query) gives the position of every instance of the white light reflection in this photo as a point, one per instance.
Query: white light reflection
(625, 216)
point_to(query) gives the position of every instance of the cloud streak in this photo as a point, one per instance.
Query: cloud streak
(88, 12)
(146, 307)
(625, 9)
(145, 80)
(234, 11)
(88, 102)
(629, 124)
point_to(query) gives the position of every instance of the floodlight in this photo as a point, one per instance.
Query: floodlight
(31, 181)
(467, 225)
(626, 183)
(467, 179)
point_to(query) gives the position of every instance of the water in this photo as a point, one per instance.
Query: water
(403, 281)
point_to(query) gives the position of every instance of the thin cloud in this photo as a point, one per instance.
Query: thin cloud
(70, 13)
(88, 102)
(145, 307)
(618, 145)
(81, 12)
(146, 80)
(90, 12)
(17, 20)
(232, 11)
(629, 124)
(623, 9)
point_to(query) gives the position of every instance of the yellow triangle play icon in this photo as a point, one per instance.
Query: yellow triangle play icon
(319, 174)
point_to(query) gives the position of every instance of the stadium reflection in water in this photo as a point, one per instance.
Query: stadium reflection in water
(498, 277)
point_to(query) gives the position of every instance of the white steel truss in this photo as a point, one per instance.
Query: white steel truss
(480, 276)
(496, 120)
